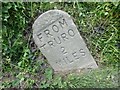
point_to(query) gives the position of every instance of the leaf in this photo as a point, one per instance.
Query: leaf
(19, 63)
(48, 73)
(15, 83)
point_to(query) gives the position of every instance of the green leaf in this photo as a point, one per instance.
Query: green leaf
(48, 73)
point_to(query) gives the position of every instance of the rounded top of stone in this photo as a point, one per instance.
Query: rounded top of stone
(48, 17)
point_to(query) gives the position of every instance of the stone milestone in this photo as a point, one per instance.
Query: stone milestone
(57, 37)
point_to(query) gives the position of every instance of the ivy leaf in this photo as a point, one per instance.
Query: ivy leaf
(48, 73)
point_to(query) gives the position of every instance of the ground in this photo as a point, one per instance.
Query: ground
(23, 65)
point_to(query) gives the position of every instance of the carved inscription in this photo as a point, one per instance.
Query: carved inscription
(54, 41)
(76, 56)
(49, 33)
(60, 42)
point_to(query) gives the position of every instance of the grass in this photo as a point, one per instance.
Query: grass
(23, 64)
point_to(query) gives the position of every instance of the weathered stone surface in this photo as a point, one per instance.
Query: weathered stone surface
(57, 37)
